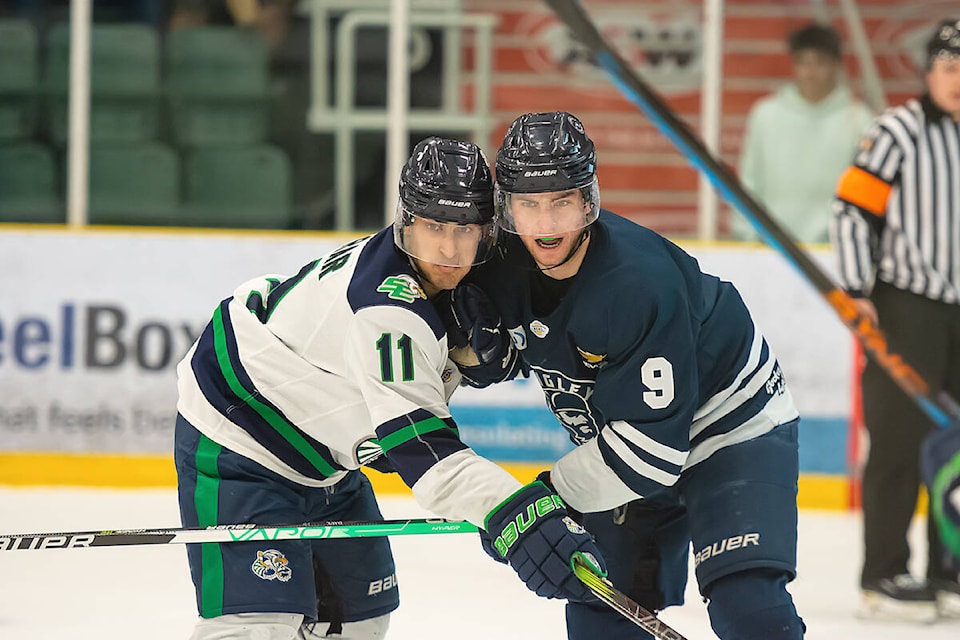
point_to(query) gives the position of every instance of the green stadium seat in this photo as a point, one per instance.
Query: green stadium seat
(217, 83)
(134, 184)
(124, 82)
(28, 191)
(19, 80)
(239, 187)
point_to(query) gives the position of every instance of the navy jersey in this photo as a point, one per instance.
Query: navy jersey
(327, 370)
(651, 365)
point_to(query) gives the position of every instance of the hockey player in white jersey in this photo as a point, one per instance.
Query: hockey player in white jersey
(299, 381)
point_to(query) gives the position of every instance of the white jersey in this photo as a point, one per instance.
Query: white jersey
(344, 364)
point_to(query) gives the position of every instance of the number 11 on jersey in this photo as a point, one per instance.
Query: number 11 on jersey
(385, 348)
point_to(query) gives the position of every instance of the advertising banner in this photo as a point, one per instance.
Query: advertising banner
(92, 326)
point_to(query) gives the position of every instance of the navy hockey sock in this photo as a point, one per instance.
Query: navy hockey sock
(754, 605)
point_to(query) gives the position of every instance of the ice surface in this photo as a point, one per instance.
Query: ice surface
(449, 587)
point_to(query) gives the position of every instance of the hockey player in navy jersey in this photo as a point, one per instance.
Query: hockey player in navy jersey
(299, 381)
(686, 429)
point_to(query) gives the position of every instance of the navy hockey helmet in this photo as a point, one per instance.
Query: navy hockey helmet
(547, 153)
(445, 214)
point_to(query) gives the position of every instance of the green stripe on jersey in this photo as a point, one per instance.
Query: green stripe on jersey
(412, 431)
(207, 503)
(274, 419)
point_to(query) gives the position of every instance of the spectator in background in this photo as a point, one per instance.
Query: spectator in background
(194, 13)
(897, 235)
(271, 18)
(799, 139)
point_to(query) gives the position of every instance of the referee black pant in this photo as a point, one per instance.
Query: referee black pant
(926, 334)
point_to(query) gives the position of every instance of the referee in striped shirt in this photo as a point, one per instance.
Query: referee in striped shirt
(896, 231)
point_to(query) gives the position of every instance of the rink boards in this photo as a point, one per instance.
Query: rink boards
(92, 325)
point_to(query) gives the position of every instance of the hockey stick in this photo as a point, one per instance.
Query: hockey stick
(622, 604)
(232, 533)
(941, 409)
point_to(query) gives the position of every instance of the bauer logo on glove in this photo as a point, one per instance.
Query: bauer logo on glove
(526, 519)
(539, 540)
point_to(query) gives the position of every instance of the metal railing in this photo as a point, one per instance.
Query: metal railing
(344, 119)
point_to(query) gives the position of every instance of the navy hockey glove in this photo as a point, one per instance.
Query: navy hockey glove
(476, 322)
(488, 543)
(533, 532)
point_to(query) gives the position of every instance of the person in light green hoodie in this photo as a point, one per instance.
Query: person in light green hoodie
(800, 139)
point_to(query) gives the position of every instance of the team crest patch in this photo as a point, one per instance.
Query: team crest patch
(590, 359)
(446, 375)
(272, 565)
(402, 287)
(539, 329)
(568, 399)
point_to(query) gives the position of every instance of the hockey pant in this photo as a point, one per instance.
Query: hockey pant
(334, 581)
(738, 507)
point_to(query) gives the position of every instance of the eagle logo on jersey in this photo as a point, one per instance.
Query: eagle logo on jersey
(592, 360)
(403, 287)
(272, 565)
(539, 329)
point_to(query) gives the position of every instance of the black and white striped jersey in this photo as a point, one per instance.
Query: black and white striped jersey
(336, 367)
(897, 207)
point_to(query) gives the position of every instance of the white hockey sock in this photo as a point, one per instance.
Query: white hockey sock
(249, 626)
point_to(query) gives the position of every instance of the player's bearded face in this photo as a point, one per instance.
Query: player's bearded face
(550, 224)
(444, 251)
